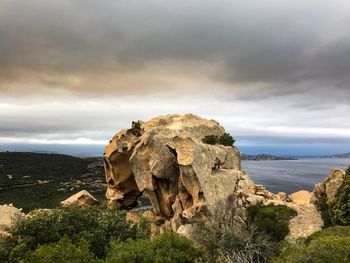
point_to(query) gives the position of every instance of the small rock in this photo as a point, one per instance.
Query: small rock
(300, 197)
(82, 199)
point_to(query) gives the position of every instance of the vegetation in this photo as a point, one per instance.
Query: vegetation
(329, 245)
(88, 235)
(96, 225)
(339, 208)
(37, 180)
(165, 248)
(225, 139)
(226, 240)
(272, 219)
(337, 211)
(61, 252)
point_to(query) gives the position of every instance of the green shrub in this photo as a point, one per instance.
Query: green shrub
(225, 139)
(226, 240)
(96, 225)
(165, 248)
(61, 252)
(272, 219)
(340, 231)
(210, 139)
(329, 245)
(339, 208)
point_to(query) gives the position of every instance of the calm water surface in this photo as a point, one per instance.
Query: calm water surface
(293, 175)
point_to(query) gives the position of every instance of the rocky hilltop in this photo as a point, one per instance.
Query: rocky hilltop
(185, 179)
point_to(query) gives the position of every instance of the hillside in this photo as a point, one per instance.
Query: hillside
(38, 180)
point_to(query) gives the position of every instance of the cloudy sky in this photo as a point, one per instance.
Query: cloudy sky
(275, 74)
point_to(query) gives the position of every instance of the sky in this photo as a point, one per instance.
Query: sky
(275, 74)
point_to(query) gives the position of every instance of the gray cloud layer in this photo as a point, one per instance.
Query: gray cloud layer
(293, 44)
(268, 68)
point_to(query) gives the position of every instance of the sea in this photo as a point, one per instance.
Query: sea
(292, 175)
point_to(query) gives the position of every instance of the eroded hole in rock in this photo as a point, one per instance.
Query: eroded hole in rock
(121, 187)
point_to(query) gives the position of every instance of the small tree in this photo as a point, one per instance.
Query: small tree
(272, 219)
(225, 139)
(339, 208)
(210, 139)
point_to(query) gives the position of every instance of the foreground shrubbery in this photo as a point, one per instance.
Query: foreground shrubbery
(272, 219)
(228, 239)
(96, 225)
(329, 245)
(165, 248)
(61, 252)
(88, 235)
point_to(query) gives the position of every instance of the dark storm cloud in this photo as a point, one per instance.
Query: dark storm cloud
(77, 45)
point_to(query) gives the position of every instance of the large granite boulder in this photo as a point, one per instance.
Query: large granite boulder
(8, 216)
(166, 160)
(185, 179)
(327, 190)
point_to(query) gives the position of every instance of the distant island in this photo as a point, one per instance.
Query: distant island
(341, 155)
(264, 157)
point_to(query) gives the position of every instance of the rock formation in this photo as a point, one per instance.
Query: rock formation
(300, 197)
(8, 216)
(166, 160)
(81, 199)
(327, 190)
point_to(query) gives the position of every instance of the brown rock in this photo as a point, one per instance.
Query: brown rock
(8, 216)
(327, 190)
(282, 196)
(307, 221)
(165, 159)
(300, 197)
(81, 199)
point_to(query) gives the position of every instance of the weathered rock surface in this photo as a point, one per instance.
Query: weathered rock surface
(185, 179)
(300, 197)
(307, 221)
(81, 199)
(327, 190)
(166, 160)
(8, 216)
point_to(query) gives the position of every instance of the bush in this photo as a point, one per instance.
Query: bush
(329, 245)
(272, 219)
(165, 248)
(61, 252)
(226, 239)
(96, 225)
(225, 139)
(340, 231)
(339, 208)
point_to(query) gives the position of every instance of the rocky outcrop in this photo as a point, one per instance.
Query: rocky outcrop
(185, 179)
(327, 190)
(81, 199)
(8, 216)
(307, 221)
(166, 160)
(300, 197)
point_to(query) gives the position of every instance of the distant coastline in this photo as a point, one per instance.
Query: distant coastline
(265, 157)
(341, 155)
